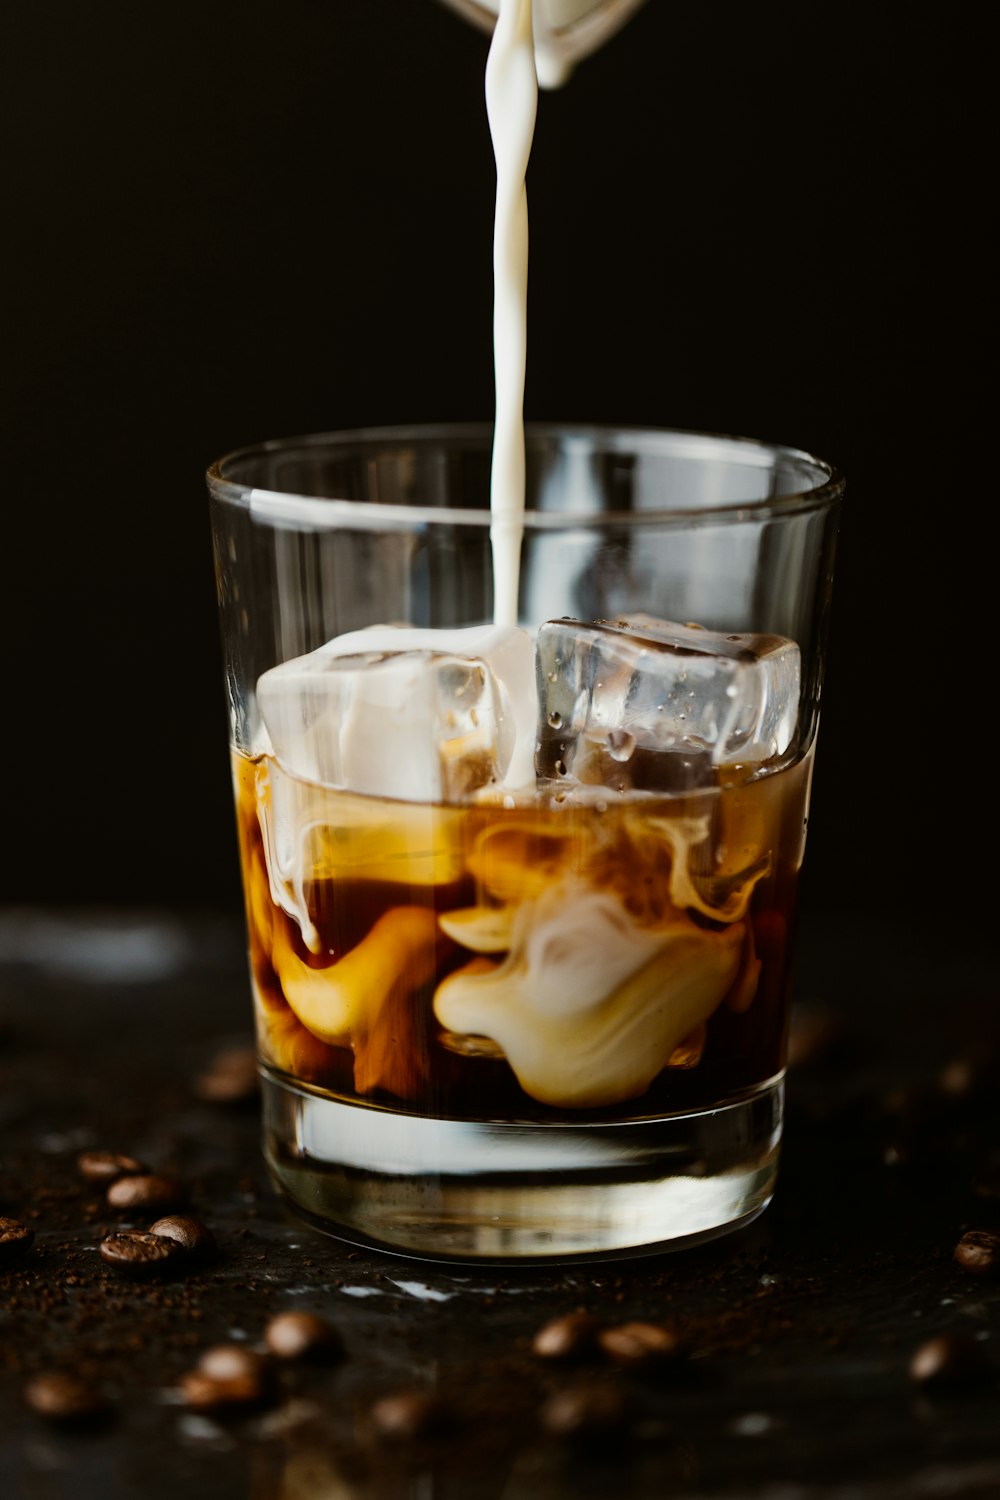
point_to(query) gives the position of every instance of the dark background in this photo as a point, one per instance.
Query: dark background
(232, 221)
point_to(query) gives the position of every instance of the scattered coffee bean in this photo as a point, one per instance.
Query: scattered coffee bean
(949, 1362)
(191, 1234)
(228, 1378)
(586, 1414)
(570, 1337)
(107, 1166)
(302, 1335)
(639, 1345)
(203, 1393)
(230, 1078)
(407, 1415)
(233, 1362)
(149, 1191)
(15, 1239)
(958, 1078)
(138, 1253)
(62, 1397)
(979, 1251)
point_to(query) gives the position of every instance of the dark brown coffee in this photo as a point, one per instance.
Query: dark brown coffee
(622, 955)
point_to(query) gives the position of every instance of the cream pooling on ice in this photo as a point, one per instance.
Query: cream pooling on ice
(418, 715)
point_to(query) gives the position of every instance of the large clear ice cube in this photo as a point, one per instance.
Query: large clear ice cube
(417, 715)
(652, 705)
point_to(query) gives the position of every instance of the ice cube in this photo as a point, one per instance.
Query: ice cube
(648, 704)
(416, 715)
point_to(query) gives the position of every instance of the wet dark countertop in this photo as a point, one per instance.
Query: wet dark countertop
(800, 1329)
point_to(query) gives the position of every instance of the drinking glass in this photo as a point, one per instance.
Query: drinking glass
(520, 901)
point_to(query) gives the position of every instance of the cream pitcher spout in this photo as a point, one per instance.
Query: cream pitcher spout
(565, 31)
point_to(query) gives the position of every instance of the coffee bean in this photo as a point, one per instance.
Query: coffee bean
(231, 1077)
(973, 1076)
(302, 1335)
(15, 1239)
(228, 1377)
(570, 1337)
(137, 1253)
(949, 1362)
(586, 1414)
(958, 1078)
(147, 1192)
(639, 1345)
(233, 1362)
(203, 1393)
(191, 1234)
(62, 1397)
(107, 1166)
(407, 1415)
(978, 1251)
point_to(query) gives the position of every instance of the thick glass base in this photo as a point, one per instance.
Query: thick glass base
(490, 1191)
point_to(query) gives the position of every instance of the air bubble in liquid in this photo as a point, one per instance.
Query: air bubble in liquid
(621, 743)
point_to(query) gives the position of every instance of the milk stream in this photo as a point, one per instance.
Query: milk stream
(511, 106)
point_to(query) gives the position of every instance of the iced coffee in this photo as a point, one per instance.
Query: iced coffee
(500, 875)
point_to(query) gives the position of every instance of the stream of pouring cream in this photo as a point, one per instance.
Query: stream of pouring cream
(511, 106)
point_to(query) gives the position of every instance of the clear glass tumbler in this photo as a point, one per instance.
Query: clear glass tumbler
(520, 900)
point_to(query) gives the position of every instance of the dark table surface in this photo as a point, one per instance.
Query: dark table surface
(799, 1330)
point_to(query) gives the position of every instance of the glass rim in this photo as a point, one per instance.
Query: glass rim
(328, 510)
